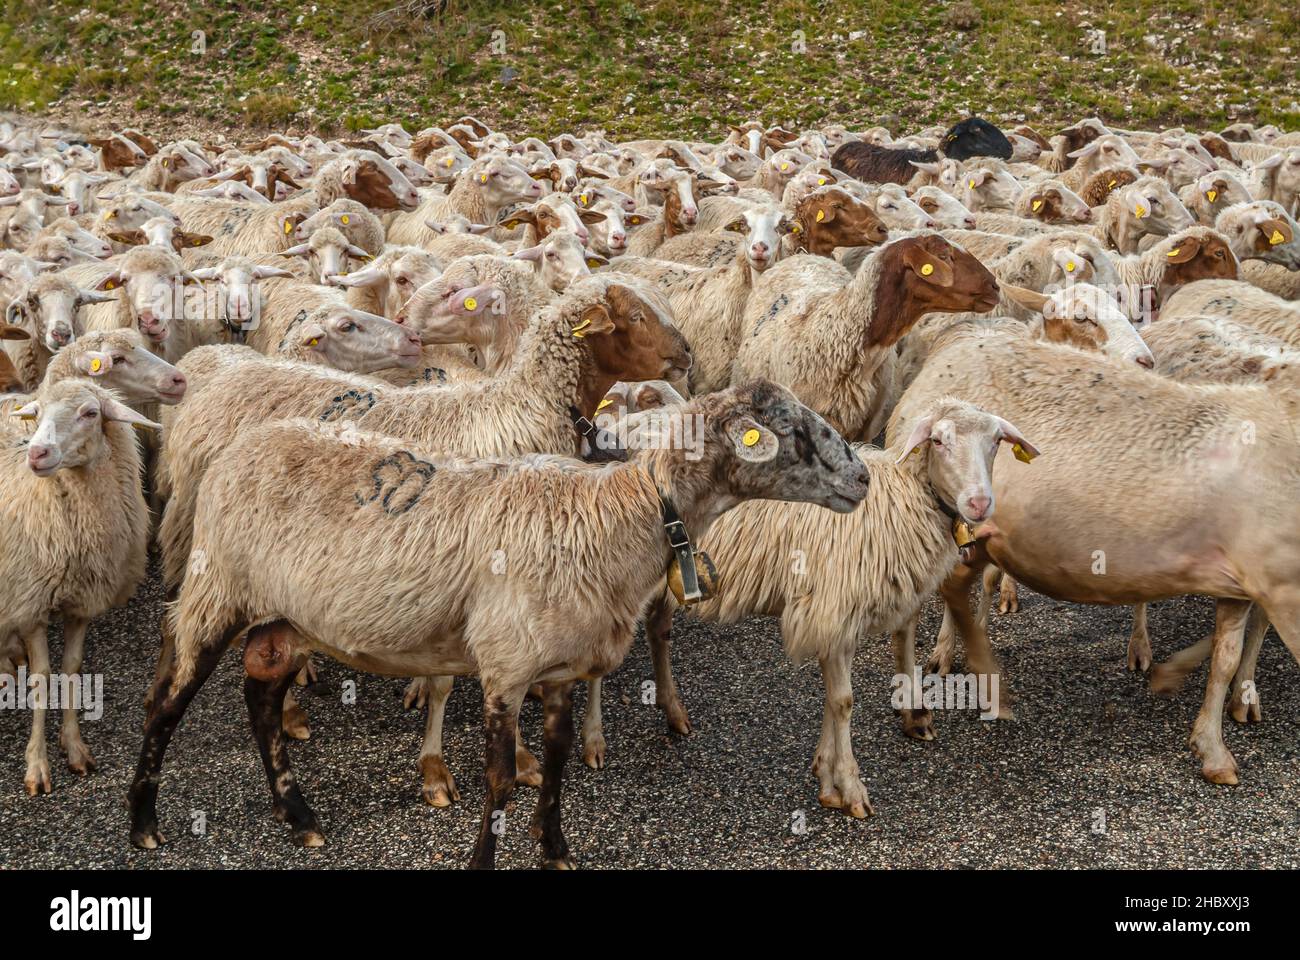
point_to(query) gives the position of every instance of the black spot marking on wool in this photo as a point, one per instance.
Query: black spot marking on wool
(302, 315)
(350, 403)
(431, 372)
(398, 482)
(777, 306)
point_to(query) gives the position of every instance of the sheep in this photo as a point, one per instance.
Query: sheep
(1188, 435)
(1277, 178)
(876, 164)
(986, 189)
(1146, 280)
(233, 190)
(244, 228)
(49, 308)
(79, 187)
(945, 210)
(1147, 207)
(484, 301)
(555, 211)
(1106, 151)
(125, 213)
(117, 152)
(81, 240)
(439, 504)
(560, 259)
(387, 282)
(709, 302)
(829, 335)
(682, 192)
(17, 269)
(859, 574)
(369, 179)
(169, 168)
(486, 188)
(19, 227)
(327, 253)
(1238, 301)
(1211, 194)
(118, 360)
(1179, 167)
(75, 529)
(1273, 278)
(161, 232)
(1261, 230)
(262, 174)
(235, 298)
(1097, 189)
(1051, 201)
(1209, 349)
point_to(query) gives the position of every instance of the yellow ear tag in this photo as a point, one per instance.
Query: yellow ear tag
(109, 285)
(96, 364)
(288, 227)
(795, 228)
(471, 303)
(449, 162)
(821, 215)
(750, 438)
(1069, 266)
(1023, 455)
(345, 219)
(927, 269)
(313, 341)
(482, 178)
(821, 181)
(971, 184)
(577, 331)
(1172, 253)
(165, 161)
(1139, 211)
(112, 214)
(582, 198)
(593, 263)
(604, 403)
(1211, 194)
(785, 166)
(1276, 238)
(1112, 183)
(1037, 205)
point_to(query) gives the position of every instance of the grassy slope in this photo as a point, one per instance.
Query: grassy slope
(649, 67)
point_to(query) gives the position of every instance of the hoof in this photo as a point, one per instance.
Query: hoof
(147, 839)
(593, 753)
(81, 762)
(559, 863)
(1008, 605)
(940, 663)
(294, 724)
(1139, 660)
(37, 780)
(417, 694)
(439, 788)
(309, 838)
(860, 808)
(918, 724)
(1225, 776)
(678, 721)
(1245, 712)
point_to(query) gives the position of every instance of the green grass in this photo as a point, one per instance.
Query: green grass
(651, 67)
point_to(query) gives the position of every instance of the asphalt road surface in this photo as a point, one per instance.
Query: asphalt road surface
(1091, 748)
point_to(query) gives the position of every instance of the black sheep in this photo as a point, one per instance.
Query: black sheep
(973, 137)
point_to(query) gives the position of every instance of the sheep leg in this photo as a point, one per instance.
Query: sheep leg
(945, 645)
(294, 717)
(74, 650)
(918, 722)
(12, 654)
(1217, 764)
(557, 699)
(980, 659)
(307, 675)
(1139, 641)
(271, 662)
(528, 771)
(593, 738)
(658, 631)
(836, 768)
(37, 778)
(166, 651)
(416, 693)
(1008, 595)
(1244, 703)
(439, 788)
(500, 724)
(161, 724)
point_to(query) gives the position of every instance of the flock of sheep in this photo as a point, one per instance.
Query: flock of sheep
(454, 404)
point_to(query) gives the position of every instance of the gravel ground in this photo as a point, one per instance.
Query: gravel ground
(1089, 738)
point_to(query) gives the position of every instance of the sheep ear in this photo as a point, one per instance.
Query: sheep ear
(14, 312)
(436, 227)
(367, 277)
(590, 216)
(1184, 250)
(311, 334)
(95, 363)
(205, 273)
(300, 250)
(928, 268)
(596, 319)
(1030, 299)
(1275, 231)
(358, 253)
(919, 435)
(266, 273)
(110, 282)
(289, 221)
(26, 412)
(1085, 151)
(478, 229)
(1007, 433)
(595, 260)
(8, 332)
(752, 442)
(112, 409)
(518, 217)
(93, 296)
(132, 238)
(187, 239)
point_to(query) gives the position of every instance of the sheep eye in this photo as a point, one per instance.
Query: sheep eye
(347, 326)
(90, 414)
